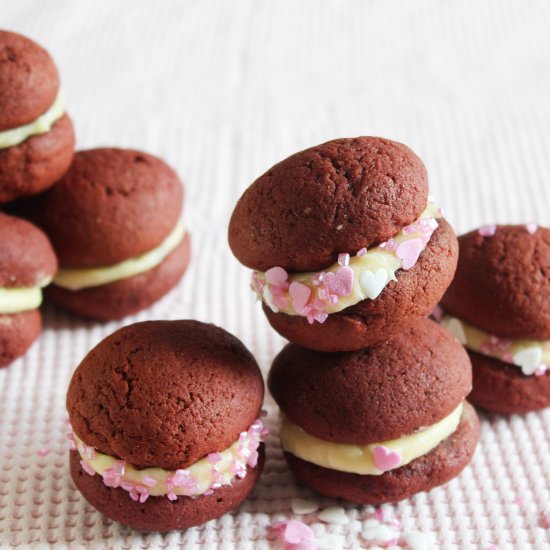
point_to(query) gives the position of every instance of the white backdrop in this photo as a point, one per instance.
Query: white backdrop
(222, 90)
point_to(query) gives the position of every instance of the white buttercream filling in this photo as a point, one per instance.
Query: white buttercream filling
(86, 277)
(360, 459)
(43, 124)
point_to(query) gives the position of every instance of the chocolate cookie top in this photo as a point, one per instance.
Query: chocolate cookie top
(28, 80)
(502, 282)
(26, 255)
(165, 393)
(112, 205)
(376, 394)
(340, 196)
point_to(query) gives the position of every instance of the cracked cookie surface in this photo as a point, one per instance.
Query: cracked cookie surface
(165, 393)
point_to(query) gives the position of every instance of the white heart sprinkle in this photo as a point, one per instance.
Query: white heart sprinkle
(268, 299)
(529, 359)
(303, 506)
(329, 541)
(419, 541)
(374, 530)
(335, 515)
(373, 283)
(454, 326)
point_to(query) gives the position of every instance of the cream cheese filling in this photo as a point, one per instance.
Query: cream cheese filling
(43, 124)
(531, 356)
(86, 277)
(211, 472)
(371, 459)
(16, 300)
(316, 295)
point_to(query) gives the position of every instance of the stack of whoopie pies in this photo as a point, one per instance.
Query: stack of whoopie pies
(112, 215)
(350, 255)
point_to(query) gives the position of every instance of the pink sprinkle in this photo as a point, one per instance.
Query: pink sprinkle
(171, 496)
(119, 467)
(43, 452)
(293, 533)
(362, 252)
(88, 453)
(208, 493)
(520, 502)
(410, 229)
(276, 276)
(438, 313)
(379, 514)
(144, 496)
(317, 279)
(87, 468)
(70, 437)
(320, 317)
(541, 371)
(213, 458)
(343, 258)
(532, 228)
(253, 459)
(487, 230)
(384, 459)
(149, 481)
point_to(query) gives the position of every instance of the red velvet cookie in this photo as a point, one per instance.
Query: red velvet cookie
(36, 136)
(162, 452)
(114, 221)
(498, 307)
(347, 248)
(379, 424)
(27, 263)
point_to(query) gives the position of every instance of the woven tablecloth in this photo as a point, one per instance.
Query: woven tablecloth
(222, 90)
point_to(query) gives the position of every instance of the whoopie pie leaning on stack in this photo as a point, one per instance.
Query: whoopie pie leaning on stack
(114, 222)
(498, 307)
(379, 424)
(166, 428)
(348, 248)
(36, 135)
(27, 264)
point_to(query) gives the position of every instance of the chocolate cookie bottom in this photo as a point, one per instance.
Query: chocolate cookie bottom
(160, 513)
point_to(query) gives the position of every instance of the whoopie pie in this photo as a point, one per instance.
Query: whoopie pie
(27, 264)
(166, 424)
(36, 135)
(114, 222)
(346, 245)
(380, 424)
(498, 307)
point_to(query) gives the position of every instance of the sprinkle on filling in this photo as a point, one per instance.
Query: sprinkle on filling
(201, 478)
(43, 124)
(79, 278)
(315, 295)
(371, 459)
(531, 356)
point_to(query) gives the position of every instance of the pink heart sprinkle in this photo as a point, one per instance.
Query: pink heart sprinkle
(487, 230)
(276, 276)
(295, 532)
(408, 252)
(341, 282)
(299, 294)
(384, 459)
